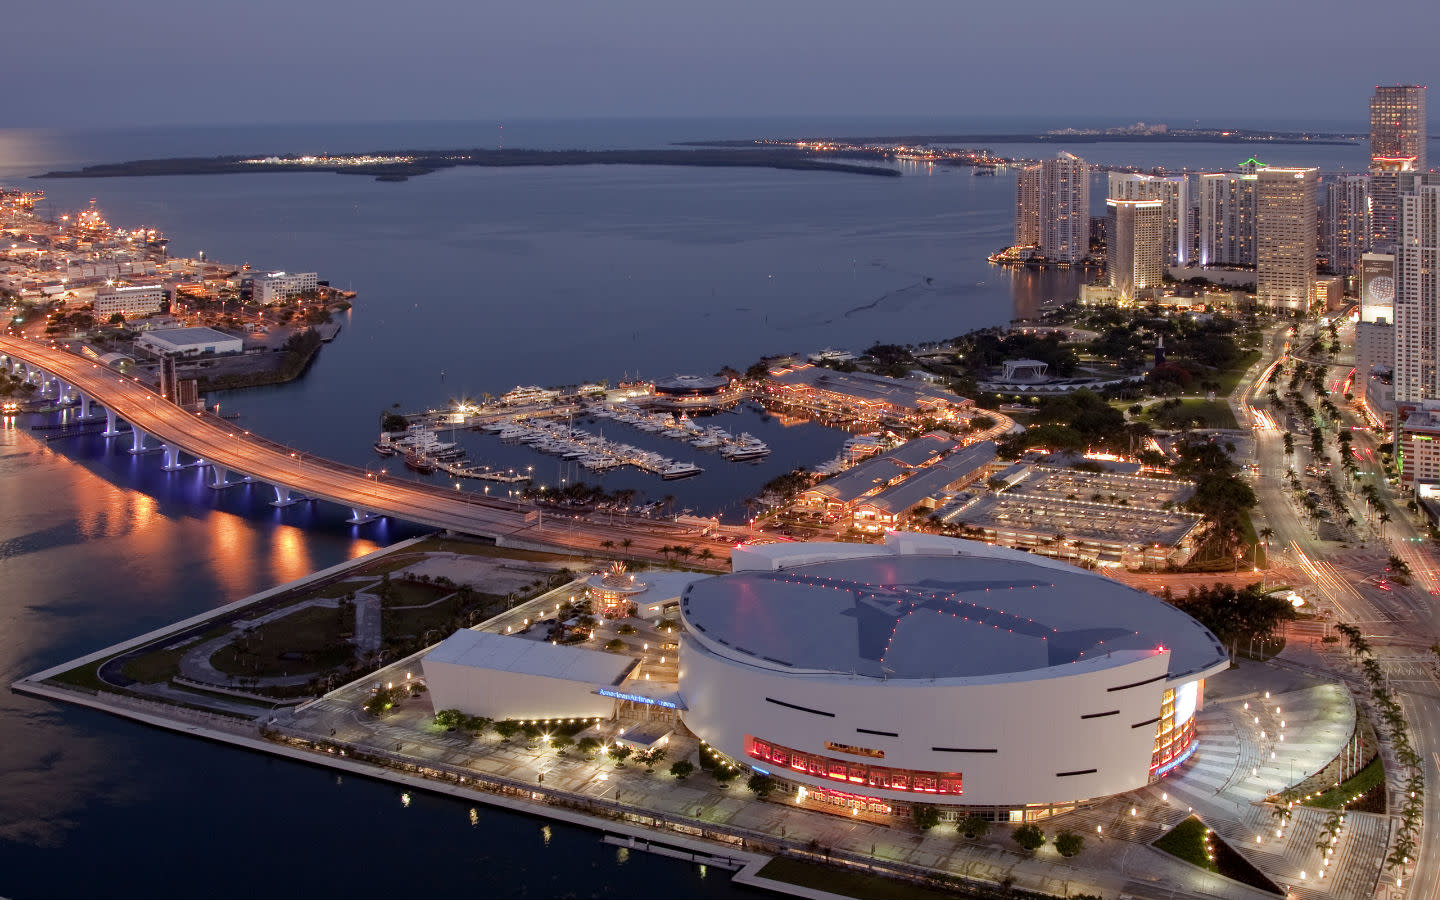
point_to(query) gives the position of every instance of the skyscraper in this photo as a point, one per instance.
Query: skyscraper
(1397, 125)
(1284, 238)
(1417, 291)
(1345, 222)
(1065, 208)
(1027, 206)
(1174, 193)
(1135, 246)
(1227, 217)
(1397, 148)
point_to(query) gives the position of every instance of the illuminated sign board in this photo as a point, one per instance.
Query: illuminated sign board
(638, 698)
(1377, 287)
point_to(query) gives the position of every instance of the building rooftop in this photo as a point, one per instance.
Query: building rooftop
(507, 653)
(969, 610)
(184, 336)
(692, 383)
(934, 480)
(867, 387)
(861, 480)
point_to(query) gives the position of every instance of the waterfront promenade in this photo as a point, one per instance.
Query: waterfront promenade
(233, 451)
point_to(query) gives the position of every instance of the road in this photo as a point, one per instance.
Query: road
(219, 442)
(1401, 623)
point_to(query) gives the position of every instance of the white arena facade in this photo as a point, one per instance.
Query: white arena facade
(940, 671)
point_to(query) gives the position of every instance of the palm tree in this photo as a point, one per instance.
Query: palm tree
(1384, 520)
(625, 543)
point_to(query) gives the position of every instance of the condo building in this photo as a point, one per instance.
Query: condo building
(1173, 192)
(1285, 238)
(1065, 208)
(1227, 218)
(1417, 291)
(1135, 247)
(1345, 223)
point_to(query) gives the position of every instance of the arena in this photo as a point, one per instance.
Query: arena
(939, 670)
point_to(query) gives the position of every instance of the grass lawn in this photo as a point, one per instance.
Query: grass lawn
(1357, 784)
(396, 622)
(1187, 841)
(411, 594)
(1213, 413)
(845, 882)
(318, 634)
(86, 676)
(338, 589)
(159, 665)
(1231, 376)
(438, 544)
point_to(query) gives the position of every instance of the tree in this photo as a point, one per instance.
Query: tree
(682, 768)
(449, 718)
(924, 815)
(1028, 837)
(588, 745)
(1068, 843)
(619, 753)
(973, 826)
(507, 729)
(760, 785)
(561, 741)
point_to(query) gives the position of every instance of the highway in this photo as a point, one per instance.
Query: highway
(219, 442)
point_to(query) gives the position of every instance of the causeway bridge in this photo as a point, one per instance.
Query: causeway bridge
(235, 456)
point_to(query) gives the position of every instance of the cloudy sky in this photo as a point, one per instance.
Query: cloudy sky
(77, 64)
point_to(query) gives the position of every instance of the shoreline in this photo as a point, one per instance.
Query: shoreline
(402, 165)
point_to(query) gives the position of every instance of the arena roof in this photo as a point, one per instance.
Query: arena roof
(943, 615)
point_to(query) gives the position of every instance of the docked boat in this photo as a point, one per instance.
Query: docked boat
(384, 446)
(746, 447)
(680, 470)
(420, 463)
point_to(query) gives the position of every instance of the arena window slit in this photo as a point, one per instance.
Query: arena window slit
(1113, 712)
(813, 712)
(894, 734)
(964, 750)
(1133, 684)
(1076, 772)
(1146, 722)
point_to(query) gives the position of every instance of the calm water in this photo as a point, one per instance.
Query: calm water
(470, 282)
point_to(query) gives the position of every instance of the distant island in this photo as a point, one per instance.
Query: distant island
(398, 165)
(1062, 136)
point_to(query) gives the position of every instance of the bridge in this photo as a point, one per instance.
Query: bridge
(235, 456)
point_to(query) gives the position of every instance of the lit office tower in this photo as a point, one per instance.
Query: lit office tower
(1135, 246)
(1027, 206)
(1065, 208)
(1397, 124)
(1397, 148)
(1284, 238)
(1417, 291)
(1227, 217)
(1345, 222)
(1173, 191)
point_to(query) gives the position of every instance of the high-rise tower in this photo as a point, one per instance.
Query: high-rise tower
(1397, 148)
(1284, 238)
(1065, 208)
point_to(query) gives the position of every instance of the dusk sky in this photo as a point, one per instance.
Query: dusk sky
(164, 61)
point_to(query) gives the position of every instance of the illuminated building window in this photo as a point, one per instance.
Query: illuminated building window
(1172, 738)
(882, 777)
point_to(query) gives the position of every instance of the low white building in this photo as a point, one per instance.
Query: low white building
(130, 300)
(189, 342)
(275, 286)
(501, 676)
